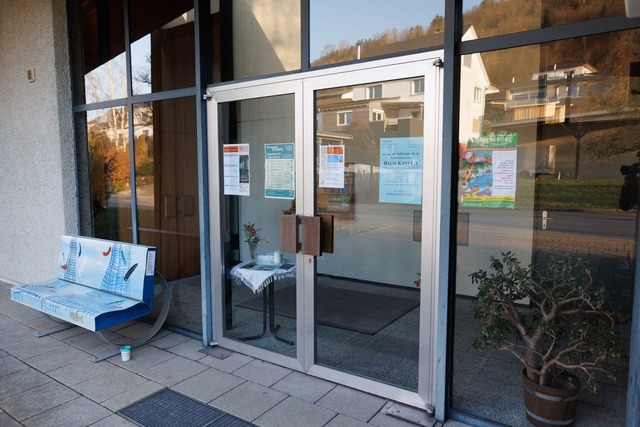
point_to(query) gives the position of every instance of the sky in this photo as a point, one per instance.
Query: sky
(334, 21)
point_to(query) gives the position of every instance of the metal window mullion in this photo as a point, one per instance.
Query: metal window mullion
(202, 58)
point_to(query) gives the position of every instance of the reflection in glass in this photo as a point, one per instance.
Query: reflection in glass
(162, 45)
(370, 180)
(572, 107)
(342, 31)
(108, 140)
(255, 123)
(166, 166)
(492, 18)
(103, 49)
(265, 37)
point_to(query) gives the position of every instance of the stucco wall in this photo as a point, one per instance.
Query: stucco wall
(37, 156)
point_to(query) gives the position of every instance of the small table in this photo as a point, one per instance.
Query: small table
(257, 277)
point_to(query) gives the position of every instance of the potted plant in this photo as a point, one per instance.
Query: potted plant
(568, 325)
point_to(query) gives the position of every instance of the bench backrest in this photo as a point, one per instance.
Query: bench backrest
(119, 268)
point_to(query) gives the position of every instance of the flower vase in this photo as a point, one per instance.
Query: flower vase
(253, 246)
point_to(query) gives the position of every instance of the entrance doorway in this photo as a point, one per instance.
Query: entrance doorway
(333, 176)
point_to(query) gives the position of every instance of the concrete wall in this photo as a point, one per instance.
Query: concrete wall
(37, 157)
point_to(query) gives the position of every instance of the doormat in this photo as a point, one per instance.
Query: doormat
(356, 311)
(170, 409)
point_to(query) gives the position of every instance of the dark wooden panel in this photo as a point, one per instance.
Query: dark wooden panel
(289, 233)
(326, 236)
(311, 235)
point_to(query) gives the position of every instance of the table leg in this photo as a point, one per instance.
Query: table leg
(264, 319)
(272, 315)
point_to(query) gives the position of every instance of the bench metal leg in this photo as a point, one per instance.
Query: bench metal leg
(53, 330)
(155, 328)
(62, 325)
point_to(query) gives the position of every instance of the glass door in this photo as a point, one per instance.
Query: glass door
(333, 175)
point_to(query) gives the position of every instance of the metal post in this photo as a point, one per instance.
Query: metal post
(633, 388)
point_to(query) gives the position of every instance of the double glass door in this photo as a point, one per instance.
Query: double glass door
(324, 185)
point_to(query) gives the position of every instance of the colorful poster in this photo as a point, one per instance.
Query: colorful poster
(488, 171)
(236, 169)
(332, 166)
(279, 171)
(401, 170)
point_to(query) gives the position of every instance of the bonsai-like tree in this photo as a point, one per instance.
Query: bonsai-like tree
(569, 325)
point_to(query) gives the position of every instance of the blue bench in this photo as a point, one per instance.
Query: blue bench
(99, 284)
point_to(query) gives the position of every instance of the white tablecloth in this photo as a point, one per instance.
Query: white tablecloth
(256, 278)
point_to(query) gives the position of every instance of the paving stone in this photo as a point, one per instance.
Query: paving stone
(108, 384)
(294, 412)
(142, 358)
(356, 404)
(77, 412)
(208, 385)
(342, 420)
(264, 373)
(20, 381)
(17, 336)
(36, 400)
(304, 386)
(132, 395)
(169, 340)
(114, 421)
(56, 358)
(248, 401)
(10, 364)
(173, 371)
(79, 371)
(189, 349)
(7, 421)
(230, 364)
(34, 347)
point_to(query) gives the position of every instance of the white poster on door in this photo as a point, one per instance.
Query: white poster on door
(236, 169)
(331, 166)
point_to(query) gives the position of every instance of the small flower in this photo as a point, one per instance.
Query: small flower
(251, 233)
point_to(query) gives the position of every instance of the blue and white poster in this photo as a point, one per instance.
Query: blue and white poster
(401, 170)
(279, 171)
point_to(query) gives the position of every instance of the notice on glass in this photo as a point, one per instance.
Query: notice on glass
(401, 170)
(279, 171)
(488, 171)
(236, 169)
(331, 166)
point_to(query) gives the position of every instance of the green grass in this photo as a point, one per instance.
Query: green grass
(570, 195)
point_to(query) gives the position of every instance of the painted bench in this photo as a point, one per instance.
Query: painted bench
(99, 284)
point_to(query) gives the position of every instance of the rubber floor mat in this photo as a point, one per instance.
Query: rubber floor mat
(171, 409)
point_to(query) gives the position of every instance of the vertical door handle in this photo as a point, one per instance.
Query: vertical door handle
(289, 233)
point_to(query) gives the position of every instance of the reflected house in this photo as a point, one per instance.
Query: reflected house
(568, 102)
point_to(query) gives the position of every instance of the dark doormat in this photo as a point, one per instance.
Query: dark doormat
(357, 311)
(170, 409)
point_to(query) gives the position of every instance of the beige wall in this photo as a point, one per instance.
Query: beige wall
(37, 155)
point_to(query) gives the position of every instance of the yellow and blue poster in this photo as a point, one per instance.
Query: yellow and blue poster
(401, 170)
(488, 171)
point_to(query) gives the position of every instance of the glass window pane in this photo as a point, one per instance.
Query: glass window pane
(108, 140)
(166, 165)
(544, 131)
(254, 132)
(265, 37)
(342, 31)
(103, 48)
(162, 45)
(375, 203)
(492, 18)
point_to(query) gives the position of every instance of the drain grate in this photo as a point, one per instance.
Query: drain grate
(170, 409)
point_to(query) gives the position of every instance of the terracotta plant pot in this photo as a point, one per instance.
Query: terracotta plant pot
(551, 406)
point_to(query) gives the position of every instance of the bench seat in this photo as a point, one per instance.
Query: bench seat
(84, 306)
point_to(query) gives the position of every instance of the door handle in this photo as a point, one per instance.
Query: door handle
(317, 234)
